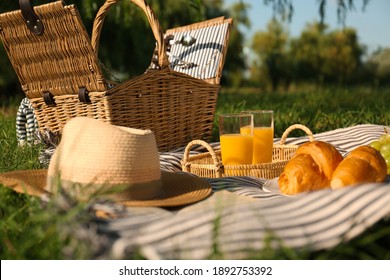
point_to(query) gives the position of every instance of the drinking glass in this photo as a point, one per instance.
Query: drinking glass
(236, 142)
(263, 135)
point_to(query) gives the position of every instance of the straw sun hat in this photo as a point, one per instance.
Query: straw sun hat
(95, 158)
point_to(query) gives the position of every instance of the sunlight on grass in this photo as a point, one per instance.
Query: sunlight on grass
(320, 110)
(31, 229)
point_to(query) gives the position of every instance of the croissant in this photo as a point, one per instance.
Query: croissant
(362, 165)
(311, 168)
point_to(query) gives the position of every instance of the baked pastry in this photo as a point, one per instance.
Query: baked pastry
(362, 165)
(311, 168)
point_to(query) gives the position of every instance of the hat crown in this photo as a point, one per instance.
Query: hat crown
(92, 152)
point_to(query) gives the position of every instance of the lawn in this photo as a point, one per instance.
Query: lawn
(30, 229)
(321, 110)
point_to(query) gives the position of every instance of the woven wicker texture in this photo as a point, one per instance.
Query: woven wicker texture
(59, 60)
(53, 66)
(210, 165)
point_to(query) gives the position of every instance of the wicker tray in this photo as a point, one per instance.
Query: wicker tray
(210, 165)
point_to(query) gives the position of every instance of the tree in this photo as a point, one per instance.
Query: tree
(379, 66)
(307, 52)
(285, 8)
(316, 56)
(271, 49)
(322, 55)
(341, 55)
(127, 42)
(235, 65)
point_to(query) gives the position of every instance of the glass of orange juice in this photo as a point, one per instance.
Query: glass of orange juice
(236, 144)
(263, 135)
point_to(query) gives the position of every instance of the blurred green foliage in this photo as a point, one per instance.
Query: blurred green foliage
(318, 55)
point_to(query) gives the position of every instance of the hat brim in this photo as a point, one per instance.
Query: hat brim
(178, 189)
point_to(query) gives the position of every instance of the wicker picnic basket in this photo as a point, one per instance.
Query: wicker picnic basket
(210, 165)
(58, 67)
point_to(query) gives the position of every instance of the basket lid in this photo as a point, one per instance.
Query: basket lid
(58, 61)
(204, 58)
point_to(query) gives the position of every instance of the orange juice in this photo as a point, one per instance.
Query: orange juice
(262, 144)
(236, 149)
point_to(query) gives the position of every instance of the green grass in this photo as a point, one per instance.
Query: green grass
(30, 229)
(13, 157)
(321, 110)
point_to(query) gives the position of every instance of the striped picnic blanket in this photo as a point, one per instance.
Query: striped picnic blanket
(246, 214)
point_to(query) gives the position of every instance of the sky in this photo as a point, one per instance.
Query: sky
(372, 25)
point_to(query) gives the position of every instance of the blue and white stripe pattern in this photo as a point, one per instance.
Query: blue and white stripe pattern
(26, 123)
(206, 54)
(245, 215)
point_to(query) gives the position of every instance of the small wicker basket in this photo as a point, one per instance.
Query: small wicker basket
(210, 165)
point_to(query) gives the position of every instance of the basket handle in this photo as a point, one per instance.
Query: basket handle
(153, 21)
(293, 127)
(206, 145)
